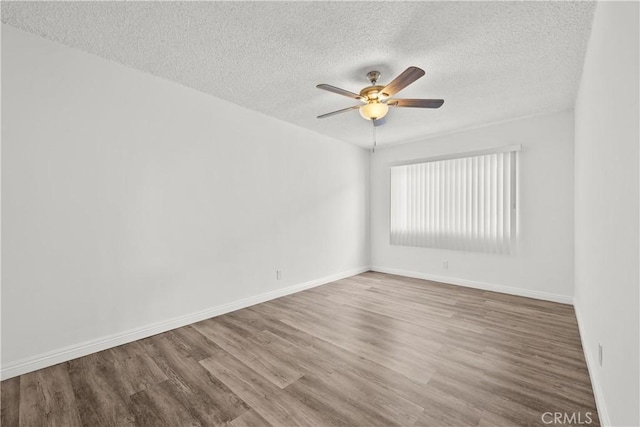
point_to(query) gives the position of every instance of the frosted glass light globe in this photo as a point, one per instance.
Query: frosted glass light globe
(374, 110)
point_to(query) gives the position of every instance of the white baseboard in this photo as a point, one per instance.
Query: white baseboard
(54, 357)
(564, 299)
(592, 367)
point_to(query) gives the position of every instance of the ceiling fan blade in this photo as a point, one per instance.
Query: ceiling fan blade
(338, 91)
(333, 113)
(407, 77)
(416, 103)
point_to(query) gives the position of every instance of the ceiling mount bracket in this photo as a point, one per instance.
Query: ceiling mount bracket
(373, 76)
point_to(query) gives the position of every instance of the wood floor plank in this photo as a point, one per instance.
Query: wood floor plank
(208, 399)
(249, 419)
(10, 402)
(157, 406)
(370, 350)
(267, 399)
(489, 419)
(193, 343)
(98, 391)
(380, 402)
(338, 408)
(48, 399)
(135, 370)
(402, 360)
(279, 371)
(322, 358)
(443, 409)
(515, 412)
(363, 329)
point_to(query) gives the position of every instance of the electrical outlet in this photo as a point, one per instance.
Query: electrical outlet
(278, 274)
(445, 265)
(600, 354)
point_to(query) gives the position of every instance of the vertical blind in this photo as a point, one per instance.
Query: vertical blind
(465, 203)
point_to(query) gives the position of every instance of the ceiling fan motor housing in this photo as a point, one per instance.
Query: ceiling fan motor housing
(371, 93)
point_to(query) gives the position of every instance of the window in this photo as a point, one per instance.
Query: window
(464, 202)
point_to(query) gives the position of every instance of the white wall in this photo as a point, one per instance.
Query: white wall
(607, 214)
(129, 200)
(543, 263)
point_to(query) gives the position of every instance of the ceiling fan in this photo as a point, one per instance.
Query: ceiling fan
(376, 99)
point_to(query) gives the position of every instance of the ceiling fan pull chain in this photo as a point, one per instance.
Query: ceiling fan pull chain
(374, 136)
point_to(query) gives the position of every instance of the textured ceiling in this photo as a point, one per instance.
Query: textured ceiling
(490, 61)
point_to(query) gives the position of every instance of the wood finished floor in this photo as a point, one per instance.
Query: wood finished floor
(371, 350)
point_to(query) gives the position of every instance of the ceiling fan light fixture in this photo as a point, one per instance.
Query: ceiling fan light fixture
(377, 98)
(374, 110)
